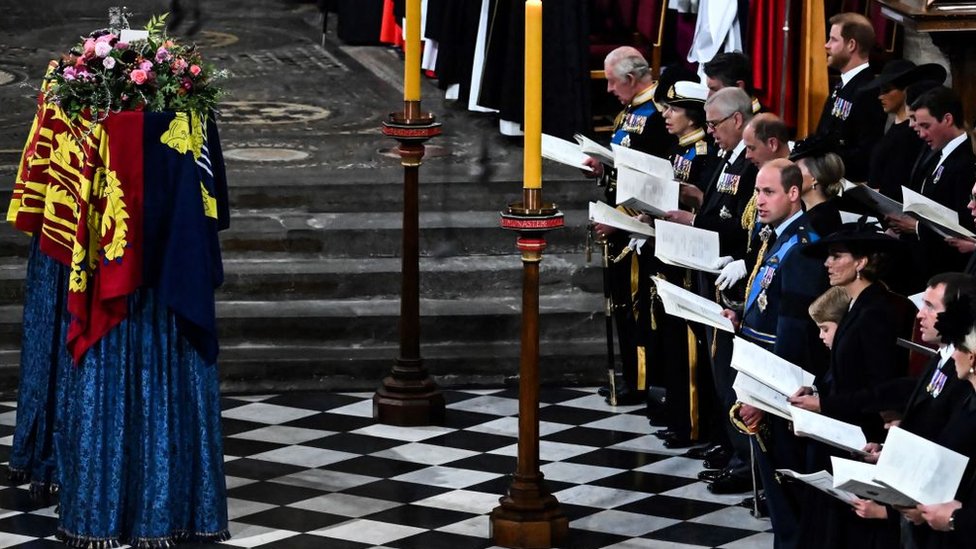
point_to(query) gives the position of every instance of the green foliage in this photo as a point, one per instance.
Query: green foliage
(103, 75)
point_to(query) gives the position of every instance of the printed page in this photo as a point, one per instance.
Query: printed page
(821, 480)
(646, 192)
(828, 430)
(686, 246)
(750, 391)
(941, 219)
(591, 147)
(779, 374)
(564, 152)
(918, 468)
(681, 303)
(607, 215)
(856, 477)
(660, 168)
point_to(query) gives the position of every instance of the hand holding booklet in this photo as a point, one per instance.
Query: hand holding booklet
(686, 246)
(918, 468)
(857, 478)
(647, 193)
(564, 152)
(590, 147)
(942, 220)
(681, 303)
(607, 215)
(752, 392)
(828, 430)
(765, 367)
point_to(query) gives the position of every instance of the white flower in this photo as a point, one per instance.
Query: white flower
(108, 62)
(102, 48)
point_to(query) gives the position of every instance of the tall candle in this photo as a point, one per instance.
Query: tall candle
(532, 174)
(411, 75)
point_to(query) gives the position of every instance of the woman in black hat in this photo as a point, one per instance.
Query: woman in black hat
(895, 154)
(864, 354)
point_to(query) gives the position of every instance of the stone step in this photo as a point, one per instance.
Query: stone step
(563, 316)
(374, 234)
(442, 234)
(434, 194)
(254, 367)
(285, 277)
(247, 366)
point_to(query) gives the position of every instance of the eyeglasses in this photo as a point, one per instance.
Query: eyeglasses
(712, 124)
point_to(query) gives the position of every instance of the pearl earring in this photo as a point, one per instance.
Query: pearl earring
(859, 275)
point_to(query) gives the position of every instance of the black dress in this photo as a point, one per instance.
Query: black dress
(893, 159)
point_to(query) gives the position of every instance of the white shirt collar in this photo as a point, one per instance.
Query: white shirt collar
(734, 155)
(782, 226)
(847, 76)
(951, 146)
(945, 353)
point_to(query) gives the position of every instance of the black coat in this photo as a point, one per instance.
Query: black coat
(725, 201)
(853, 118)
(949, 185)
(864, 353)
(893, 160)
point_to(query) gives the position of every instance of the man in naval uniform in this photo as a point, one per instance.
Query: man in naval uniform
(781, 285)
(639, 126)
(852, 116)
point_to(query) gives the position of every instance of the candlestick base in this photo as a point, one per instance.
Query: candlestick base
(409, 397)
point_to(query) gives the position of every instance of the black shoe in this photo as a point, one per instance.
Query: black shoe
(603, 391)
(701, 452)
(730, 484)
(710, 476)
(717, 461)
(759, 510)
(664, 433)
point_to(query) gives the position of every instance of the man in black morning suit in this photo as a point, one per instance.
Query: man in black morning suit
(852, 116)
(939, 122)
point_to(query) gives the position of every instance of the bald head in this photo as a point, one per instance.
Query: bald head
(766, 137)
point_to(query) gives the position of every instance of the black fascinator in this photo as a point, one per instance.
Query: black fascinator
(955, 324)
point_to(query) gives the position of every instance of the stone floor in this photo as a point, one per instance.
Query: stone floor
(311, 470)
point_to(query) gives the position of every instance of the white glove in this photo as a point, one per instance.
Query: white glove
(722, 261)
(636, 244)
(731, 273)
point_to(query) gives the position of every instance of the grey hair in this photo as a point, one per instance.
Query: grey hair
(731, 100)
(626, 60)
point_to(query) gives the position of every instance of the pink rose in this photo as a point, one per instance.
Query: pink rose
(146, 65)
(195, 70)
(108, 63)
(69, 73)
(178, 66)
(138, 76)
(121, 45)
(89, 48)
(102, 48)
(105, 38)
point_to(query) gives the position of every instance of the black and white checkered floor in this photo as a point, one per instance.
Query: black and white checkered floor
(314, 470)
